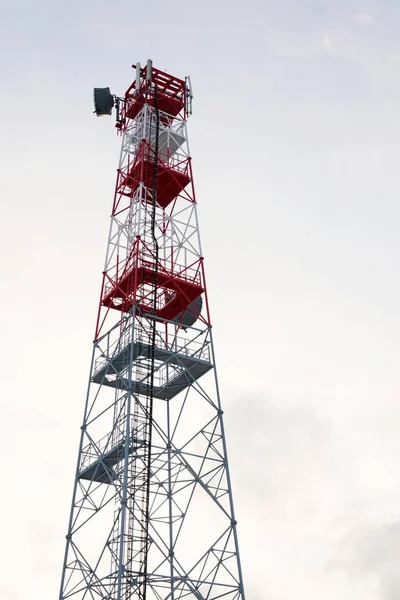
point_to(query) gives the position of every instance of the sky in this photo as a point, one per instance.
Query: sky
(295, 139)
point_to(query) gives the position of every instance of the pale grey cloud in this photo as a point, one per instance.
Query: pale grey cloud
(371, 550)
(389, 586)
(365, 18)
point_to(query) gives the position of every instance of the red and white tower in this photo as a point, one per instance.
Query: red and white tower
(152, 514)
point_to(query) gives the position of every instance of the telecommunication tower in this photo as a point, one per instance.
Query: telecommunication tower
(152, 514)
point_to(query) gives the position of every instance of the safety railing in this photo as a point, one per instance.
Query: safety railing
(179, 346)
(146, 261)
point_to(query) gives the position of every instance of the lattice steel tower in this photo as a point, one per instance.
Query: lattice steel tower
(152, 514)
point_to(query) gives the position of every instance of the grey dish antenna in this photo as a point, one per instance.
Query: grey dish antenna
(103, 101)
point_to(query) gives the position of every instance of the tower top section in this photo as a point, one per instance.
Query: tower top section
(153, 86)
(164, 92)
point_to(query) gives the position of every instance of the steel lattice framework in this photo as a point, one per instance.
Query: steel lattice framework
(152, 514)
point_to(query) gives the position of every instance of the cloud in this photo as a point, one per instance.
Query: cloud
(373, 551)
(389, 586)
(327, 44)
(286, 453)
(375, 548)
(365, 18)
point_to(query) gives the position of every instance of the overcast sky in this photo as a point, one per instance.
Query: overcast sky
(295, 139)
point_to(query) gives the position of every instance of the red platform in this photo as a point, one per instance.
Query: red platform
(170, 182)
(170, 94)
(123, 293)
(168, 104)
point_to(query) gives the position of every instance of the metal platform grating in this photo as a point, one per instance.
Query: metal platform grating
(184, 370)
